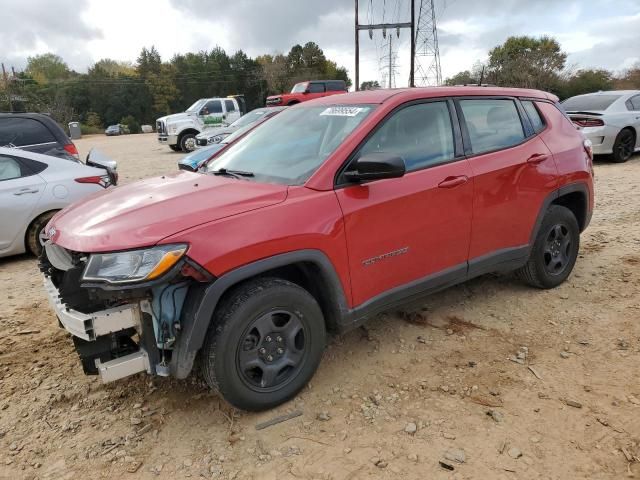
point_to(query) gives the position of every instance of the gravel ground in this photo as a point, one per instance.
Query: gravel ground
(492, 378)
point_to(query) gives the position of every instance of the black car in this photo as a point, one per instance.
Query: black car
(37, 133)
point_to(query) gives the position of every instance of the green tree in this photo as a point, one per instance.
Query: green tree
(132, 123)
(369, 85)
(584, 81)
(462, 78)
(47, 67)
(630, 80)
(526, 62)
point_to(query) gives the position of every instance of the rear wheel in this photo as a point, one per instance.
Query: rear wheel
(555, 250)
(188, 142)
(175, 148)
(36, 237)
(624, 146)
(264, 344)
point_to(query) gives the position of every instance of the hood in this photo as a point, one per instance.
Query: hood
(213, 131)
(143, 213)
(175, 117)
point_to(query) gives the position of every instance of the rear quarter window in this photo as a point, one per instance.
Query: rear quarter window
(492, 124)
(23, 132)
(537, 122)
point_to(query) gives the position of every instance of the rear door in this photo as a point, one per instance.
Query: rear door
(513, 173)
(20, 190)
(411, 231)
(232, 113)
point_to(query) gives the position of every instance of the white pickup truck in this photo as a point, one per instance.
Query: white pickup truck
(179, 130)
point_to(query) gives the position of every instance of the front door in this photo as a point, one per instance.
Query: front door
(20, 191)
(405, 231)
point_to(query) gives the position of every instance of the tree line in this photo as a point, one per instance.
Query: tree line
(540, 63)
(137, 93)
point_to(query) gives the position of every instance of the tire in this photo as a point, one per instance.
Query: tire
(262, 323)
(555, 249)
(624, 146)
(188, 142)
(33, 240)
(175, 148)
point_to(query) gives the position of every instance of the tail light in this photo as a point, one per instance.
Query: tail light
(588, 148)
(103, 180)
(71, 148)
(588, 122)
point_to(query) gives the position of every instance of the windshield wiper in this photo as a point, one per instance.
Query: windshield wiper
(232, 173)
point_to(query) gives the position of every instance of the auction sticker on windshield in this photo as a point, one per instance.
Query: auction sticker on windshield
(342, 111)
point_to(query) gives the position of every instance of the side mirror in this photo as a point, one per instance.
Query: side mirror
(375, 166)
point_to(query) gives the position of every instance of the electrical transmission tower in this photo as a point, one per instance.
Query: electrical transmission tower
(427, 56)
(388, 64)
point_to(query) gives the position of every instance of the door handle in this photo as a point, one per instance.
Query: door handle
(26, 190)
(537, 158)
(451, 182)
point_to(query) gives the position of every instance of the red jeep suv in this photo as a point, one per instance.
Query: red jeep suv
(305, 91)
(322, 217)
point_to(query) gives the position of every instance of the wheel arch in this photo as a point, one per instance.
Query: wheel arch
(293, 102)
(185, 132)
(311, 269)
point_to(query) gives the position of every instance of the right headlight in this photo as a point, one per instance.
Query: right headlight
(133, 265)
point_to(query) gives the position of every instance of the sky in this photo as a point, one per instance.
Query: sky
(594, 33)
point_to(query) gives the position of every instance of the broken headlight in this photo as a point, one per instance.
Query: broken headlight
(133, 265)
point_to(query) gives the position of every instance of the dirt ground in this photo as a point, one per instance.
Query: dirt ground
(514, 382)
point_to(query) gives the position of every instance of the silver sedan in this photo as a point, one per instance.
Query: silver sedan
(611, 120)
(33, 187)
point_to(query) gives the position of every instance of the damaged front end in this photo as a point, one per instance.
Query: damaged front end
(124, 309)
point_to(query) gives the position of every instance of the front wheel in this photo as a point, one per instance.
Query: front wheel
(264, 344)
(554, 251)
(188, 142)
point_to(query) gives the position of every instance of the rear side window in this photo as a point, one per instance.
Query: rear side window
(229, 106)
(11, 168)
(493, 124)
(420, 134)
(23, 132)
(532, 112)
(634, 103)
(336, 86)
(316, 88)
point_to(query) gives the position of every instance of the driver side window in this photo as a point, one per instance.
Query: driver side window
(214, 106)
(421, 134)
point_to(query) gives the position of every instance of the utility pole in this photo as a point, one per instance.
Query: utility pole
(412, 71)
(6, 86)
(384, 27)
(357, 51)
(390, 62)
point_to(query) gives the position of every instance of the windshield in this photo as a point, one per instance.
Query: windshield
(197, 105)
(293, 144)
(299, 87)
(589, 103)
(249, 118)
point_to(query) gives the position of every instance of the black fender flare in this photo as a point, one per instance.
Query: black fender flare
(203, 299)
(580, 187)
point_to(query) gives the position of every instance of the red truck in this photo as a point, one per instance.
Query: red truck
(326, 215)
(305, 91)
